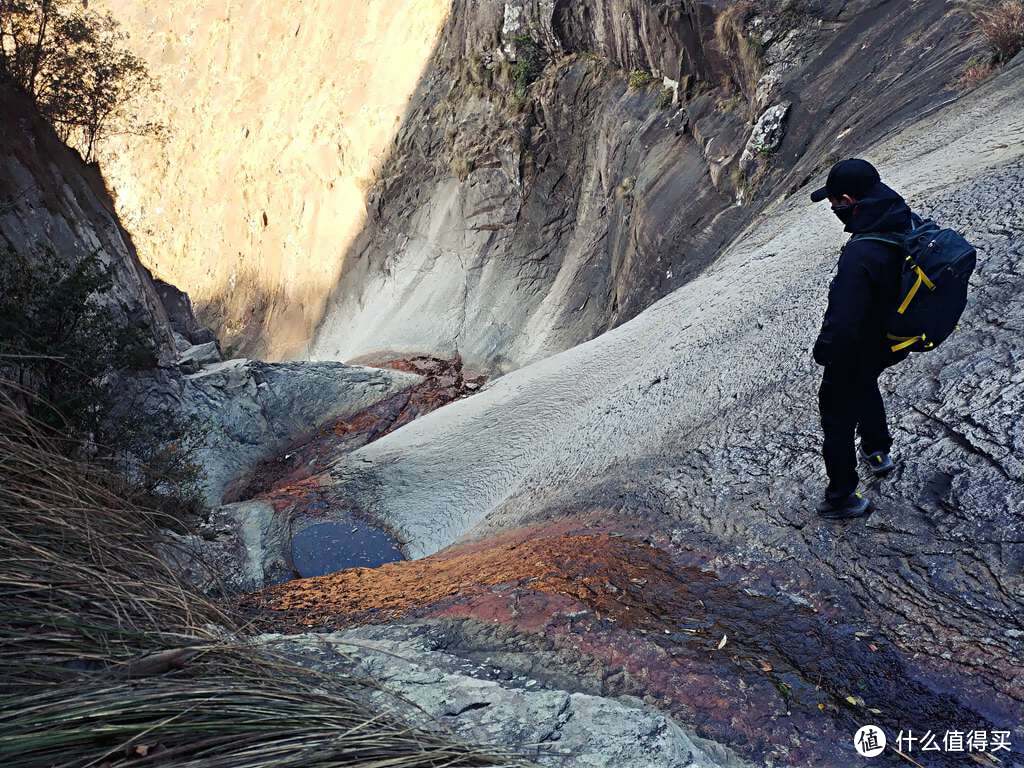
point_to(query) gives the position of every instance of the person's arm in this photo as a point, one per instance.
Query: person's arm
(849, 297)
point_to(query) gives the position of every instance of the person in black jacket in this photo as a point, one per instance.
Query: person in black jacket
(852, 344)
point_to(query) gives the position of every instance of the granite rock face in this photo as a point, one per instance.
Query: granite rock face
(278, 117)
(501, 178)
(766, 136)
(241, 547)
(513, 222)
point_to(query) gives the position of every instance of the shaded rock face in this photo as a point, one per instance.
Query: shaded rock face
(693, 428)
(181, 314)
(51, 202)
(512, 222)
(430, 384)
(255, 409)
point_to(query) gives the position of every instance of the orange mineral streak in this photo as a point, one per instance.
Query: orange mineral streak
(604, 572)
(289, 477)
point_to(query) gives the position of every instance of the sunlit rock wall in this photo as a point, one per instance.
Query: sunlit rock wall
(277, 117)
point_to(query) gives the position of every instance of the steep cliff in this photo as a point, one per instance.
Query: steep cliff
(277, 118)
(52, 202)
(516, 219)
(502, 177)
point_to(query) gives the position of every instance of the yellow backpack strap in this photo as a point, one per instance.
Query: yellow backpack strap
(903, 342)
(922, 279)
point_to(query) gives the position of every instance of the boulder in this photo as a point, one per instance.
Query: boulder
(766, 136)
(198, 355)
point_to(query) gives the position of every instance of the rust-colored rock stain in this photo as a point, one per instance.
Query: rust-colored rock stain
(608, 574)
(284, 479)
(756, 671)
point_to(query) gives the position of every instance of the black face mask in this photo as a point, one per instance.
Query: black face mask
(844, 212)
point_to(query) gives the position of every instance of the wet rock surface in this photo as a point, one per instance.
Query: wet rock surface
(594, 610)
(274, 428)
(254, 409)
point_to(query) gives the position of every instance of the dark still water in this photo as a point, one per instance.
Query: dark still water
(328, 547)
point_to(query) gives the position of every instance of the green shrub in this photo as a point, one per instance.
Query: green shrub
(70, 360)
(529, 64)
(640, 78)
(665, 98)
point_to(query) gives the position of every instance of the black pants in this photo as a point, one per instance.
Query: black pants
(851, 403)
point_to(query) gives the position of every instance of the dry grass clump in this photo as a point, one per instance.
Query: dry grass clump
(107, 661)
(1001, 25)
(80, 585)
(975, 74)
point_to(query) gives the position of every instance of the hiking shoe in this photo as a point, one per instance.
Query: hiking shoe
(852, 506)
(879, 462)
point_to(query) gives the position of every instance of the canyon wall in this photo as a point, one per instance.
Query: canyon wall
(54, 205)
(516, 219)
(502, 178)
(277, 118)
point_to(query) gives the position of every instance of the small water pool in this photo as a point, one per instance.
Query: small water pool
(329, 547)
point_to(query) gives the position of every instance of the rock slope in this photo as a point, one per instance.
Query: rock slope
(693, 426)
(423, 684)
(51, 202)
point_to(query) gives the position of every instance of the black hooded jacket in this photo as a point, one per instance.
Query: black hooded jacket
(866, 287)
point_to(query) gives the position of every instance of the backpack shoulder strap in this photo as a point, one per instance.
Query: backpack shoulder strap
(878, 237)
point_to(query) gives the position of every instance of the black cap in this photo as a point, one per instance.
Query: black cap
(851, 177)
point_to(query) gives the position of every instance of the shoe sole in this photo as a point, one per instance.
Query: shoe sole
(831, 516)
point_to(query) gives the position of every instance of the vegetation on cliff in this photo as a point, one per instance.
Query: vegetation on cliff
(65, 357)
(73, 63)
(1000, 24)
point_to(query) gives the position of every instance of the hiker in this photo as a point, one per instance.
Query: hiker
(852, 345)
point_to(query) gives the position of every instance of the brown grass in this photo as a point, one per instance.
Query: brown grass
(975, 74)
(1001, 24)
(107, 660)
